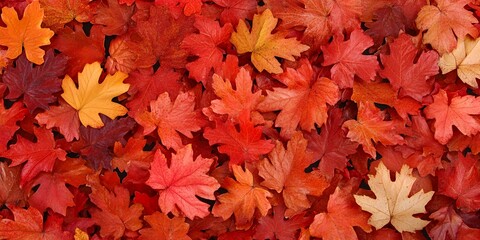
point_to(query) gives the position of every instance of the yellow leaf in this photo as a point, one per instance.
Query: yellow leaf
(80, 235)
(392, 203)
(465, 58)
(264, 45)
(26, 33)
(92, 98)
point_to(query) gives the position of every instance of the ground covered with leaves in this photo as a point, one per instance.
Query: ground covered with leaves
(239, 119)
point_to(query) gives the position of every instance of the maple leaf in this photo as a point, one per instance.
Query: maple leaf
(334, 224)
(303, 102)
(284, 172)
(331, 146)
(63, 117)
(71, 171)
(464, 58)
(347, 59)
(205, 45)
(392, 203)
(163, 227)
(25, 33)
(233, 10)
(460, 142)
(171, 118)
(411, 79)
(181, 181)
(458, 111)
(10, 191)
(131, 155)
(444, 22)
(79, 48)
(448, 224)
(370, 126)
(60, 12)
(277, 227)
(459, 181)
(91, 98)
(146, 87)
(114, 215)
(40, 156)
(265, 46)
(8, 122)
(243, 145)
(320, 19)
(234, 102)
(114, 17)
(242, 198)
(95, 144)
(28, 224)
(161, 37)
(37, 84)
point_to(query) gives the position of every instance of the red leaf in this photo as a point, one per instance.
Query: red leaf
(10, 191)
(331, 146)
(40, 156)
(411, 79)
(341, 216)
(347, 59)
(59, 197)
(457, 111)
(63, 117)
(8, 122)
(304, 102)
(114, 17)
(171, 118)
(37, 84)
(243, 145)
(163, 227)
(448, 223)
(205, 45)
(459, 181)
(114, 215)
(28, 225)
(233, 10)
(180, 181)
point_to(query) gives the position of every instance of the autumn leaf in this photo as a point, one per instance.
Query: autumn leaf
(10, 191)
(245, 145)
(37, 84)
(370, 126)
(40, 155)
(242, 199)
(304, 102)
(8, 122)
(91, 98)
(234, 101)
(446, 22)
(113, 16)
(114, 214)
(265, 46)
(406, 76)
(64, 118)
(181, 181)
(171, 118)
(458, 111)
(459, 180)
(341, 216)
(464, 58)
(26, 33)
(28, 224)
(278, 227)
(234, 10)
(392, 202)
(163, 227)
(347, 59)
(60, 12)
(284, 172)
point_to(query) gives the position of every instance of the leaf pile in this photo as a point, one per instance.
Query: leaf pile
(239, 119)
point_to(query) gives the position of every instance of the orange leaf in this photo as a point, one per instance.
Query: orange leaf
(264, 45)
(243, 197)
(163, 227)
(370, 126)
(26, 33)
(445, 22)
(284, 172)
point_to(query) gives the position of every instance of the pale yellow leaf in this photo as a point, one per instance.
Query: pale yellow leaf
(264, 45)
(465, 58)
(392, 203)
(91, 98)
